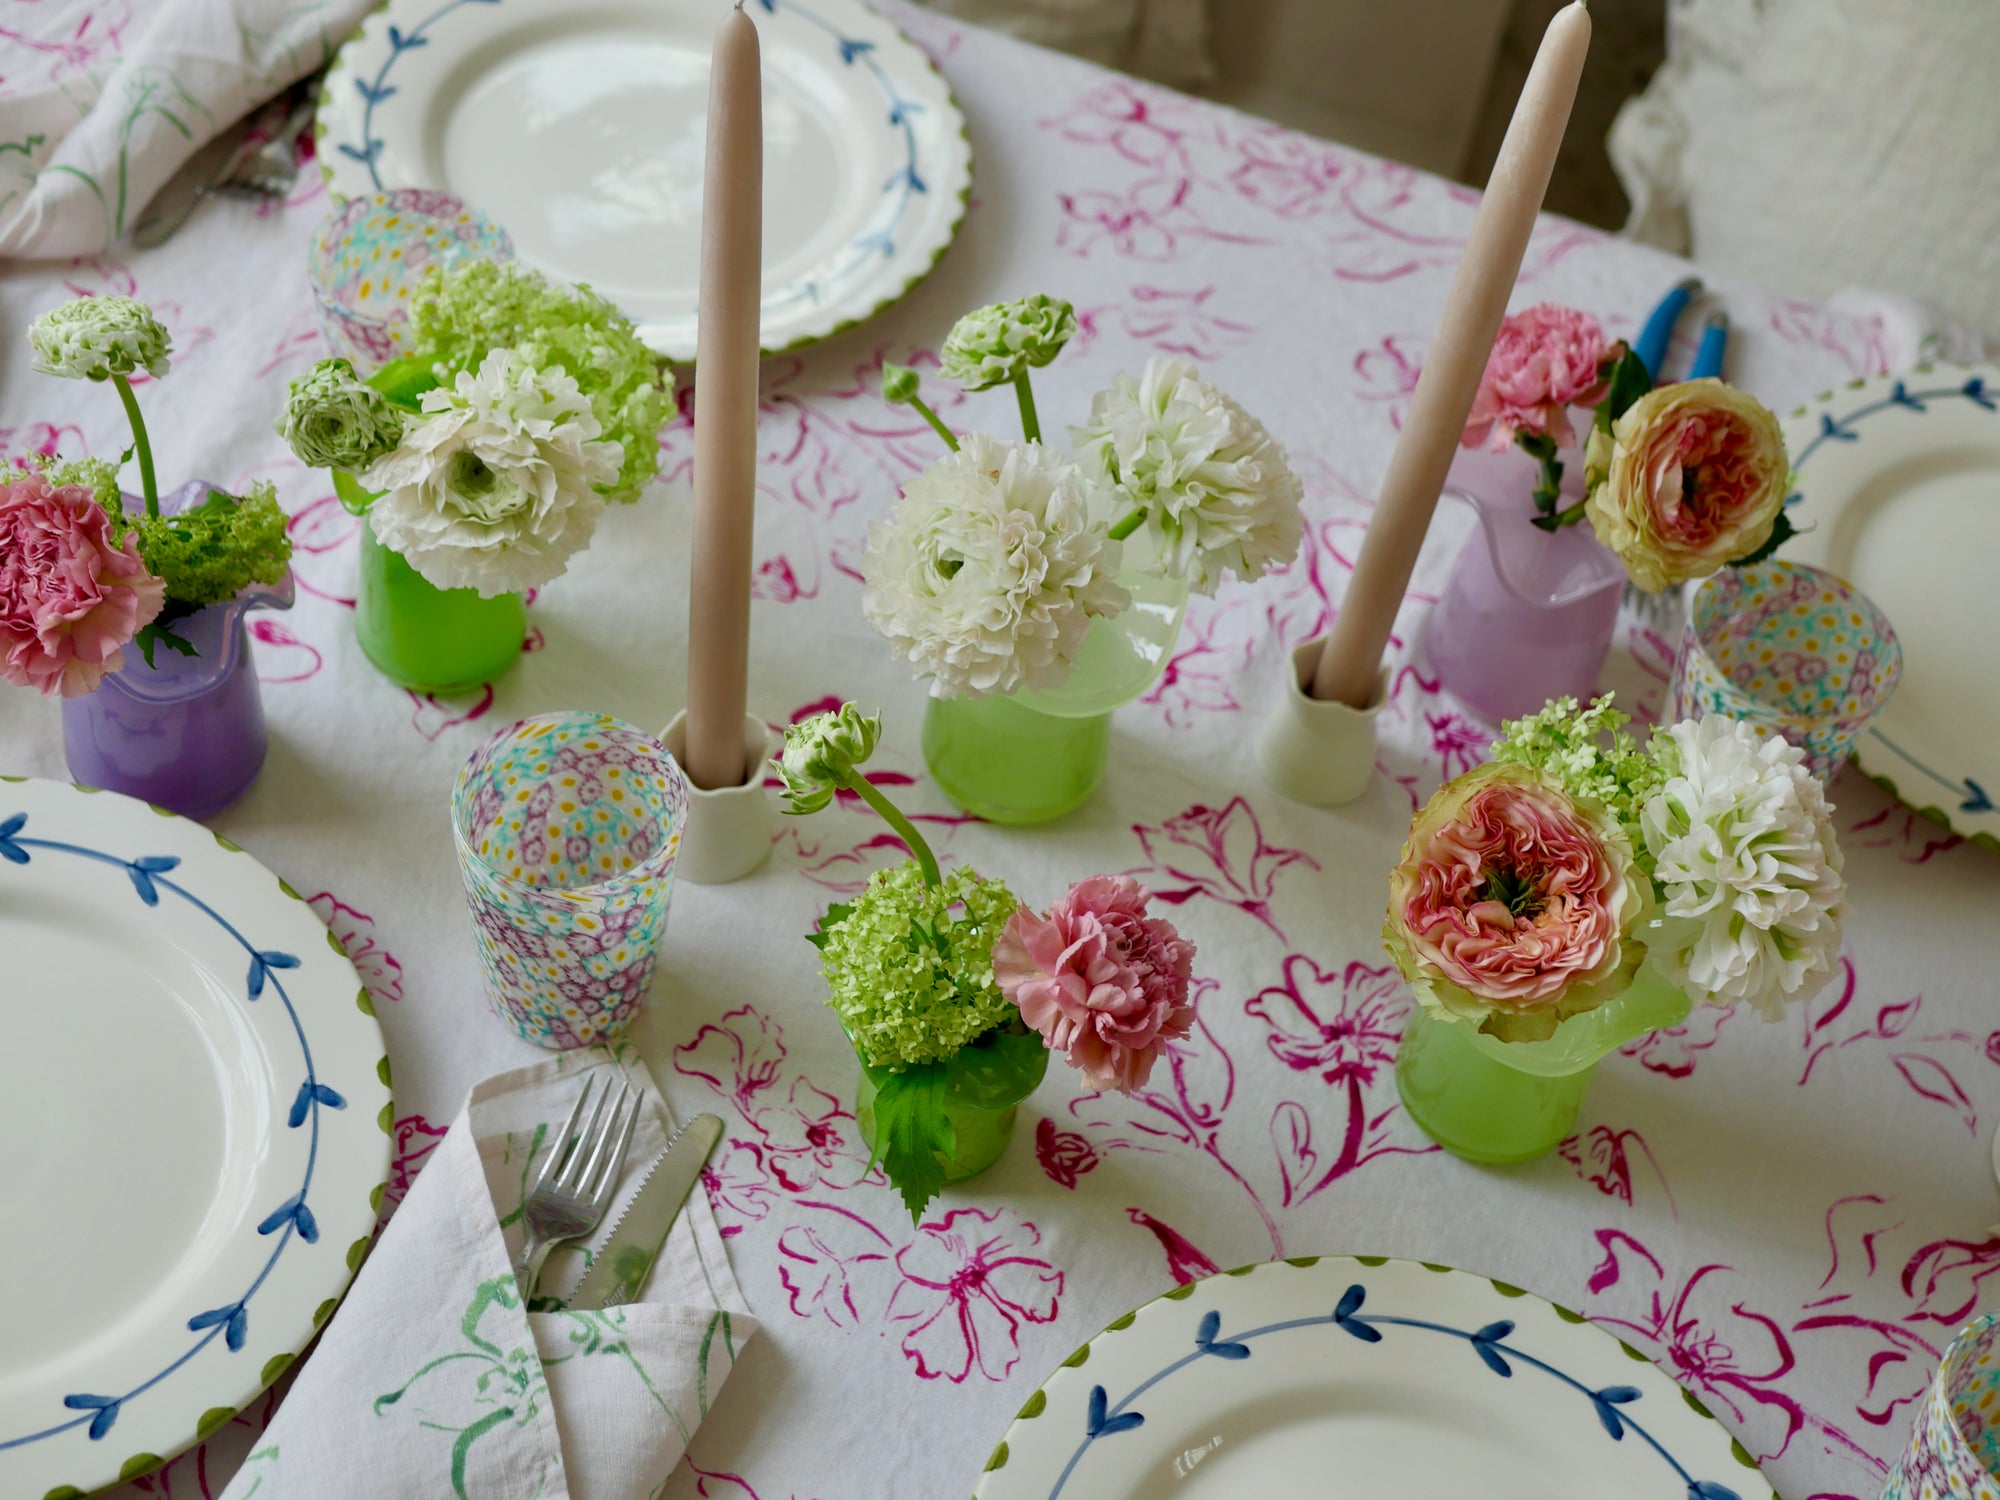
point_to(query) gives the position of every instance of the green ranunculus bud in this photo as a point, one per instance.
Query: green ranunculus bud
(992, 345)
(94, 338)
(333, 420)
(899, 384)
(820, 751)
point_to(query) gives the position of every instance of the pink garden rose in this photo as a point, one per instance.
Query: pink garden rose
(1545, 360)
(1514, 904)
(71, 595)
(1691, 478)
(1105, 984)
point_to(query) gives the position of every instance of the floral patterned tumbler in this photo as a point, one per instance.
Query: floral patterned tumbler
(568, 826)
(1954, 1450)
(1792, 650)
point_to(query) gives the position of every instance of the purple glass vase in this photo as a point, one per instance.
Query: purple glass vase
(186, 733)
(1527, 614)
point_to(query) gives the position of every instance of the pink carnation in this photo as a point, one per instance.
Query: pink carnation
(1105, 984)
(1546, 360)
(71, 595)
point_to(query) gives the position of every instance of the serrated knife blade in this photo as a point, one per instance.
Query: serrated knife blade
(619, 1272)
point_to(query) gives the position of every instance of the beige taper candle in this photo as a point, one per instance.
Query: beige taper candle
(1350, 664)
(725, 409)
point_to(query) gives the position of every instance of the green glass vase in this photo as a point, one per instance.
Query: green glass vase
(1495, 1102)
(422, 637)
(1030, 757)
(984, 1082)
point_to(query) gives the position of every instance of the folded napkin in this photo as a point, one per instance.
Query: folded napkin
(101, 103)
(433, 1381)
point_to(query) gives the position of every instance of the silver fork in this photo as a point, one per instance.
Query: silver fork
(574, 1187)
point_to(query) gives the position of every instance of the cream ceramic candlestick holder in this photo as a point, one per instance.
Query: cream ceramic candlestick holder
(730, 829)
(1322, 753)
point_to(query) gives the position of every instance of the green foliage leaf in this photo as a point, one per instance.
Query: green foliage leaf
(405, 379)
(160, 633)
(1782, 531)
(1629, 381)
(835, 915)
(913, 1137)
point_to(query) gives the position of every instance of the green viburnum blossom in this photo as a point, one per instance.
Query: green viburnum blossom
(458, 316)
(98, 475)
(909, 965)
(216, 550)
(821, 751)
(990, 346)
(95, 338)
(334, 420)
(1589, 752)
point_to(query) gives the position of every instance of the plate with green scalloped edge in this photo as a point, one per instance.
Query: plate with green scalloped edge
(195, 1098)
(1350, 1378)
(1898, 492)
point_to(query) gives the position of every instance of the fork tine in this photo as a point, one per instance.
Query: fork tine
(600, 1191)
(586, 1184)
(560, 1147)
(571, 1178)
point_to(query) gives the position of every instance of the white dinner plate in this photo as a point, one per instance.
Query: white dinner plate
(1899, 489)
(579, 124)
(194, 1102)
(1337, 1378)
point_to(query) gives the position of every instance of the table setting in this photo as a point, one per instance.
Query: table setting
(818, 800)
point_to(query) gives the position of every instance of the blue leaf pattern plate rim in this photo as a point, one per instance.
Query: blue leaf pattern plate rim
(917, 216)
(1327, 1317)
(1829, 442)
(316, 1182)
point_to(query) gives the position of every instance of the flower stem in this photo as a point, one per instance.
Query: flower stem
(144, 448)
(937, 425)
(1031, 424)
(904, 829)
(1127, 524)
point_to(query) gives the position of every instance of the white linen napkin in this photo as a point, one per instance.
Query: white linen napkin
(102, 103)
(433, 1381)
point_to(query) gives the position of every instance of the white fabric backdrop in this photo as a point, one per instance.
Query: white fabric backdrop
(1792, 1218)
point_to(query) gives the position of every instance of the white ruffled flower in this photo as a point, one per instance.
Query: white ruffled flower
(497, 484)
(990, 569)
(1216, 490)
(1742, 842)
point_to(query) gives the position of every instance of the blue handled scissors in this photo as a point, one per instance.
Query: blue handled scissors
(1651, 344)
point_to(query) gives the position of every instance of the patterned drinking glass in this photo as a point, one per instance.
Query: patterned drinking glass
(568, 826)
(1954, 1448)
(1790, 649)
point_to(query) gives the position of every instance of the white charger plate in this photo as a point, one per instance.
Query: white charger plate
(1899, 493)
(579, 125)
(1354, 1378)
(195, 1102)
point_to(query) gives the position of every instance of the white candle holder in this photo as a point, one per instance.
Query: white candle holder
(1314, 752)
(729, 830)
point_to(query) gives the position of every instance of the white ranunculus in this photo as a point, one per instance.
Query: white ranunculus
(1216, 490)
(1742, 842)
(988, 572)
(497, 483)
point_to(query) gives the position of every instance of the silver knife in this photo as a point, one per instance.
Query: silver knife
(198, 179)
(619, 1272)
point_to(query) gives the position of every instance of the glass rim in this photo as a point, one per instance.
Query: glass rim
(652, 868)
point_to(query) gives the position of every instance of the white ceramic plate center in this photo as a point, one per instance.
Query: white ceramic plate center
(134, 1036)
(580, 128)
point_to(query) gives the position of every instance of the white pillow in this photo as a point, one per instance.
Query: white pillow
(1813, 144)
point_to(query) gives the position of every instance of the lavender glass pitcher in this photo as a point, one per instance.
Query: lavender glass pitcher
(186, 733)
(1527, 615)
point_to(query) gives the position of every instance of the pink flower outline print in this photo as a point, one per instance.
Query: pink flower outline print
(969, 1284)
(1166, 321)
(1914, 837)
(375, 964)
(1945, 1280)
(1219, 853)
(296, 659)
(1603, 1157)
(1344, 1028)
(818, 1278)
(432, 716)
(739, 1057)
(1185, 1263)
(1893, 1361)
(415, 1139)
(1387, 371)
(1834, 1023)
(738, 1184)
(1673, 1051)
(1064, 1155)
(1201, 676)
(1131, 118)
(810, 1141)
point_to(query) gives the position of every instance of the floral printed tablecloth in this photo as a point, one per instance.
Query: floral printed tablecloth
(1791, 1218)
